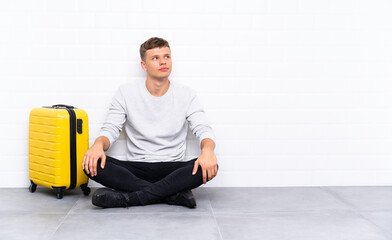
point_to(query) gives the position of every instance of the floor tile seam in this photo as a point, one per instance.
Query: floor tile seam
(375, 210)
(364, 216)
(63, 219)
(360, 212)
(352, 206)
(340, 198)
(356, 209)
(248, 213)
(33, 212)
(213, 215)
(144, 213)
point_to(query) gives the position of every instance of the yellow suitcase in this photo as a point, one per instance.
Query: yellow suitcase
(58, 140)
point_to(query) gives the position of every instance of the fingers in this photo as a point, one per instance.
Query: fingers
(215, 171)
(90, 160)
(94, 168)
(212, 172)
(90, 166)
(103, 161)
(85, 164)
(196, 165)
(210, 175)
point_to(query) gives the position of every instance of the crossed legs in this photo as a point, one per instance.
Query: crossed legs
(146, 183)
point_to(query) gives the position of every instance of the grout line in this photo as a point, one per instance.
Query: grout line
(366, 218)
(338, 197)
(358, 211)
(63, 219)
(213, 214)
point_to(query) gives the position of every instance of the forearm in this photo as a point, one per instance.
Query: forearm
(207, 144)
(103, 142)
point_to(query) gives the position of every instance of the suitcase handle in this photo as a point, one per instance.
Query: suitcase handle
(62, 106)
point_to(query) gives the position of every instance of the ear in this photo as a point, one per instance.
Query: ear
(143, 64)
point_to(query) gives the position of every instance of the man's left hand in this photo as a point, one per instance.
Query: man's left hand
(208, 163)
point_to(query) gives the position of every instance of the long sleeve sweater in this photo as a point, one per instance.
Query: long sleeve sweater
(156, 127)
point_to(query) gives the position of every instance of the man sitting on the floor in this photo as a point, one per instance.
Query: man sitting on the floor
(156, 114)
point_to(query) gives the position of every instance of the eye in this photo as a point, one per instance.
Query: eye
(155, 58)
(167, 57)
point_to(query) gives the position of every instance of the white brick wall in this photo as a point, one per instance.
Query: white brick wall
(299, 91)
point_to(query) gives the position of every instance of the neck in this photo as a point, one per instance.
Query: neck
(157, 87)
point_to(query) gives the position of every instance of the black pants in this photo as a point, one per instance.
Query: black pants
(147, 183)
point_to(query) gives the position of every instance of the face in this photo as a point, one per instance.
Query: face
(158, 64)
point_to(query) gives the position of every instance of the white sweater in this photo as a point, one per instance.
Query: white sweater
(156, 127)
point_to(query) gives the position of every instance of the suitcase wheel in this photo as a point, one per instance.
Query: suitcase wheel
(86, 190)
(32, 187)
(59, 192)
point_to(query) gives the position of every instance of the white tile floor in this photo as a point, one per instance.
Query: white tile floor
(315, 213)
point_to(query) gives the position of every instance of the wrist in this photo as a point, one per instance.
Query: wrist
(207, 150)
(98, 145)
(207, 145)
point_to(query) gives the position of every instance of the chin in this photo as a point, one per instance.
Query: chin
(164, 75)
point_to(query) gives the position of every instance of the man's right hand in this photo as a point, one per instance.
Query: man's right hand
(95, 153)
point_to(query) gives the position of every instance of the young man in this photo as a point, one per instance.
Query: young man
(156, 114)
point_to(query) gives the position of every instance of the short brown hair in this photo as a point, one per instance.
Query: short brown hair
(154, 42)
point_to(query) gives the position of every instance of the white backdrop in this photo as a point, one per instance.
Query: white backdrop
(298, 91)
